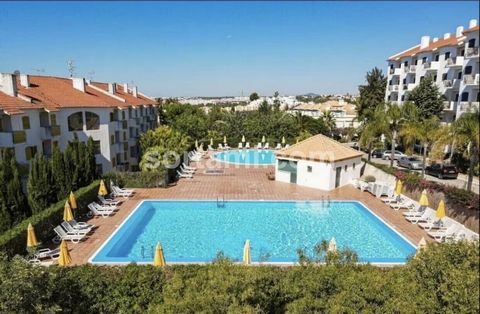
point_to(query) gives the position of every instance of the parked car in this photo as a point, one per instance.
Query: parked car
(377, 153)
(442, 171)
(397, 154)
(410, 162)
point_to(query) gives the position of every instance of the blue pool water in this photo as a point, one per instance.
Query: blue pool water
(247, 157)
(195, 231)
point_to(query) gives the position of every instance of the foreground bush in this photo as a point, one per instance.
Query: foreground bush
(442, 279)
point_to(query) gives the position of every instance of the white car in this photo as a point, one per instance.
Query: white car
(397, 154)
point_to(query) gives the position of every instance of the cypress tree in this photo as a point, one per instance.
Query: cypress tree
(70, 167)
(90, 162)
(40, 191)
(61, 182)
(81, 168)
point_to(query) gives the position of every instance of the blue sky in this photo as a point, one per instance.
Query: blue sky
(213, 48)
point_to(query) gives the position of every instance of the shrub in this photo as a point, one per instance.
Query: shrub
(137, 179)
(14, 240)
(369, 178)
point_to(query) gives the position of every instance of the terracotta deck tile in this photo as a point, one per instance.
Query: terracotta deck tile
(238, 183)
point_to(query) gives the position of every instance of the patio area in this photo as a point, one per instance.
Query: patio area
(237, 183)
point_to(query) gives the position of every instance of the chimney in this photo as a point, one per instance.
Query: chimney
(79, 83)
(472, 23)
(459, 31)
(125, 88)
(425, 41)
(112, 88)
(435, 39)
(446, 35)
(134, 91)
(8, 84)
(24, 80)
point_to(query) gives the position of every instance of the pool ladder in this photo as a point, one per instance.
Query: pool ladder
(220, 202)
(326, 201)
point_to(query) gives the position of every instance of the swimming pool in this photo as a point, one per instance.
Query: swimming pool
(195, 231)
(247, 157)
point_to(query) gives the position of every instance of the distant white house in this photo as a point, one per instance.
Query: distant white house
(318, 162)
(344, 113)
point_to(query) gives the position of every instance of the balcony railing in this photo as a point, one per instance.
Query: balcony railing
(471, 79)
(410, 69)
(454, 62)
(431, 65)
(466, 106)
(393, 88)
(454, 84)
(448, 105)
(471, 52)
(395, 71)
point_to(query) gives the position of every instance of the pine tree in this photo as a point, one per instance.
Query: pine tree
(40, 191)
(427, 97)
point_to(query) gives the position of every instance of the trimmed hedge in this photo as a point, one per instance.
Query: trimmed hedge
(138, 179)
(442, 279)
(14, 240)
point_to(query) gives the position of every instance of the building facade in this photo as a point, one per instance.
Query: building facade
(38, 113)
(344, 113)
(452, 61)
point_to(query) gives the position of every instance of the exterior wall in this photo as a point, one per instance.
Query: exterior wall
(322, 175)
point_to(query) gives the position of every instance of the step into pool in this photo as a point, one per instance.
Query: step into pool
(196, 231)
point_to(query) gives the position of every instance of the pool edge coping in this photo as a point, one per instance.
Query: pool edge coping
(379, 264)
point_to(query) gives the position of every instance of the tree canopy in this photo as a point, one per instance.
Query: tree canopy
(427, 97)
(372, 94)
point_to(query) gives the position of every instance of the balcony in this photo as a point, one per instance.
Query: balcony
(393, 88)
(51, 131)
(471, 79)
(466, 106)
(410, 69)
(472, 52)
(455, 62)
(431, 66)
(395, 71)
(453, 84)
(448, 105)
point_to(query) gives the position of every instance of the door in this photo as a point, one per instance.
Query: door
(338, 172)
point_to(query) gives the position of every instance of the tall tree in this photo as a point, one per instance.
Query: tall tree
(371, 129)
(427, 97)
(264, 108)
(329, 121)
(59, 175)
(254, 96)
(40, 188)
(373, 93)
(90, 161)
(467, 132)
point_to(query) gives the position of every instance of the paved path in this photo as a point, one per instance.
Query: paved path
(240, 183)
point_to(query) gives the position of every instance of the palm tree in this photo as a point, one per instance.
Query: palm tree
(393, 122)
(371, 129)
(466, 130)
(426, 131)
(329, 120)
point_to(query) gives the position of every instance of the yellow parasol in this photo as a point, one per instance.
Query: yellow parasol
(247, 258)
(72, 200)
(103, 189)
(283, 140)
(67, 212)
(398, 187)
(31, 237)
(159, 259)
(225, 140)
(263, 139)
(243, 138)
(440, 213)
(423, 198)
(64, 259)
(211, 141)
(196, 143)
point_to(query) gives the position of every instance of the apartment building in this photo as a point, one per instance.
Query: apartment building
(452, 61)
(38, 113)
(344, 113)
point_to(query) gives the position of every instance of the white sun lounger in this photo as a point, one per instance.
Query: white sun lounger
(445, 234)
(65, 225)
(279, 146)
(266, 146)
(186, 171)
(121, 192)
(433, 223)
(425, 216)
(247, 145)
(64, 235)
(210, 147)
(47, 253)
(407, 204)
(188, 167)
(240, 146)
(80, 225)
(107, 201)
(259, 146)
(185, 175)
(95, 211)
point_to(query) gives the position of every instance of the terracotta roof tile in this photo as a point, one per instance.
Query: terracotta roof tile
(451, 41)
(15, 105)
(319, 148)
(473, 29)
(129, 98)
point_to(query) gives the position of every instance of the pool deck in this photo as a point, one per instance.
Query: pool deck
(237, 183)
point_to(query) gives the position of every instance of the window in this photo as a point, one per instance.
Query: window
(471, 43)
(123, 115)
(421, 78)
(124, 136)
(133, 152)
(125, 156)
(96, 145)
(459, 76)
(75, 121)
(437, 57)
(447, 55)
(30, 151)
(464, 96)
(353, 165)
(478, 96)
(462, 53)
(92, 120)
(26, 123)
(346, 167)
(456, 97)
(468, 69)
(114, 115)
(53, 119)
(403, 97)
(309, 168)
(405, 64)
(404, 81)
(114, 162)
(112, 139)
(444, 76)
(424, 59)
(435, 78)
(130, 113)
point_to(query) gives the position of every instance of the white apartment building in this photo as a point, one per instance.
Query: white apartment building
(38, 113)
(452, 60)
(344, 113)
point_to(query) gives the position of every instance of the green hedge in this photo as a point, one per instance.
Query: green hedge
(137, 179)
(14, 240)
(441, 279)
